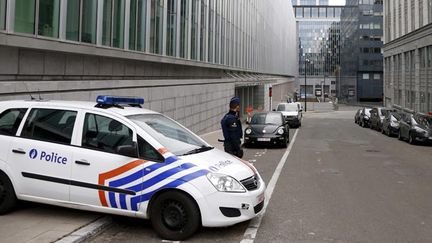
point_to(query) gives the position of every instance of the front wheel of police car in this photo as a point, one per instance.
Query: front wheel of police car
(174, 215)
(7, 194)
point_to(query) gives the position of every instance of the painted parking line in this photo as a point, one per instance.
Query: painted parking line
(251, 231)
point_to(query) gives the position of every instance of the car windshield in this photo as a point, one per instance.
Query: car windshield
(267, 119)
(384, 112)
(170, 134)
(395, 116)
(424, 120)
(287, 107)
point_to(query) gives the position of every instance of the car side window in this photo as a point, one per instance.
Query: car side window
(50, 125)
(147, 152)
(105, 134)
(10, 120)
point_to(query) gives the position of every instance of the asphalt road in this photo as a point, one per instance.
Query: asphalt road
(341, 183)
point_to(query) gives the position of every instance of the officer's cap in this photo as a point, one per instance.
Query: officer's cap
(235, 101)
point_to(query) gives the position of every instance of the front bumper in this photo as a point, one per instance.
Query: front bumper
(265, 139)
(422, 137)
(225, 209)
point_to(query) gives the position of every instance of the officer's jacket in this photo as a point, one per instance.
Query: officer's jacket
(231, 127)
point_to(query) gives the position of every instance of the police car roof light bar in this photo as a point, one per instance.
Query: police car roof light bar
(106, 101)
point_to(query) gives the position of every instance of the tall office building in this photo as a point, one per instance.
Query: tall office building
(186, 57)
(408, 54)
(318, 46)
(361, 77)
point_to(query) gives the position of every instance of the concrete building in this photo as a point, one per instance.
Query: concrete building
(362, 59)
(186, 57)
(408, 54)
(319, 39)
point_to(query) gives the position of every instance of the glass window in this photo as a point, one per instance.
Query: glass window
(73, 20)
(141, 25)
(203, 28)
(168, 133)
(89, 13)
(194, 30)
(156, 26)
(25, 16)
(299, 12)
(105, 134)
(2, 14)
(337, 12)
(322, 12)
(106, 22)
(132, 25)
(118, 23)
(50, 125)
(330, 12)
(377, 76)
(267, 118)
(49, 14)
(307, 12)
(146, 151)
(10, 121)
(314, 12)
(365, 75)
(171, 28)
(183, 26)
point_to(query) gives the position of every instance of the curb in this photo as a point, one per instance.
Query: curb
(86, 231)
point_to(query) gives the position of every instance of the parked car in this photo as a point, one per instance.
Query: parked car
(292, 113)
(357, 116)
(114, 157)
(377, 116)
(365, 117)
(415, 128)
(267, 128)
(390, 125)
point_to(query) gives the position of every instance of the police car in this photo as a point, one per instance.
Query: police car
(115, 157)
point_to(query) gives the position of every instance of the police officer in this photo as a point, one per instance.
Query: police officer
(232, 129)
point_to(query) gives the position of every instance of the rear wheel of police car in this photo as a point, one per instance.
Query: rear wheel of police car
(175, 215)
(7, 194)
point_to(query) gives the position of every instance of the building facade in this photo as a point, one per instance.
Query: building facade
(319, 40)
(361, 78)
(408, 54)
(186, 57)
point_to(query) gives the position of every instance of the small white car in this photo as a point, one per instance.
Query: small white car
(292, 113)
(122, 159)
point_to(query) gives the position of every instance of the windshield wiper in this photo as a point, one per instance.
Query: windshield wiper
(199, 150)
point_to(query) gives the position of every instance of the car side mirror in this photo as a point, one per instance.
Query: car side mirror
(247, 122)
(301, 110)
(130, 150)
(274, 109)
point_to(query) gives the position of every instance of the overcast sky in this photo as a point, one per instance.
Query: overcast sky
(336, 2)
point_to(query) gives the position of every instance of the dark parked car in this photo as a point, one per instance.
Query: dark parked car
(377, 117)
(267, 128)
(415, 128)
(390, 125)
(357, 116)
(365, 117)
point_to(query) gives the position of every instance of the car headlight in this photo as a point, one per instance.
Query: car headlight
(394, 124)
(280, 131)
(366, 117)
(225, 183)
(248, 131)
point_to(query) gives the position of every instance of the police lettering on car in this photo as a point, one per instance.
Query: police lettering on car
(232, 129)
(115, 157)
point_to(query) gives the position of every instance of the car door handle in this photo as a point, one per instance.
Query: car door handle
(18, 151)
(81, 162)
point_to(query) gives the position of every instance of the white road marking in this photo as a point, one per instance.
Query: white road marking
(251, 231)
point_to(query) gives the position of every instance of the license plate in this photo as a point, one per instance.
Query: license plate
(263, 139)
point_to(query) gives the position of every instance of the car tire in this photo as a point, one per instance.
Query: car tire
(7, 194)
(175, 216)
(411, 139)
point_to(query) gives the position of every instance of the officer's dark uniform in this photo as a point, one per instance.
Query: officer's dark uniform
(232, 132)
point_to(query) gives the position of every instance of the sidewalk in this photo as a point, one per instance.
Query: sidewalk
(38, 223)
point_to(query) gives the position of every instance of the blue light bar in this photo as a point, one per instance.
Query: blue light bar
(116, 100)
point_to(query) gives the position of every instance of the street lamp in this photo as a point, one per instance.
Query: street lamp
(305, 72)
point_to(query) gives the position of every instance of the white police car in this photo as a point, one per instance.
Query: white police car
(122, 160)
